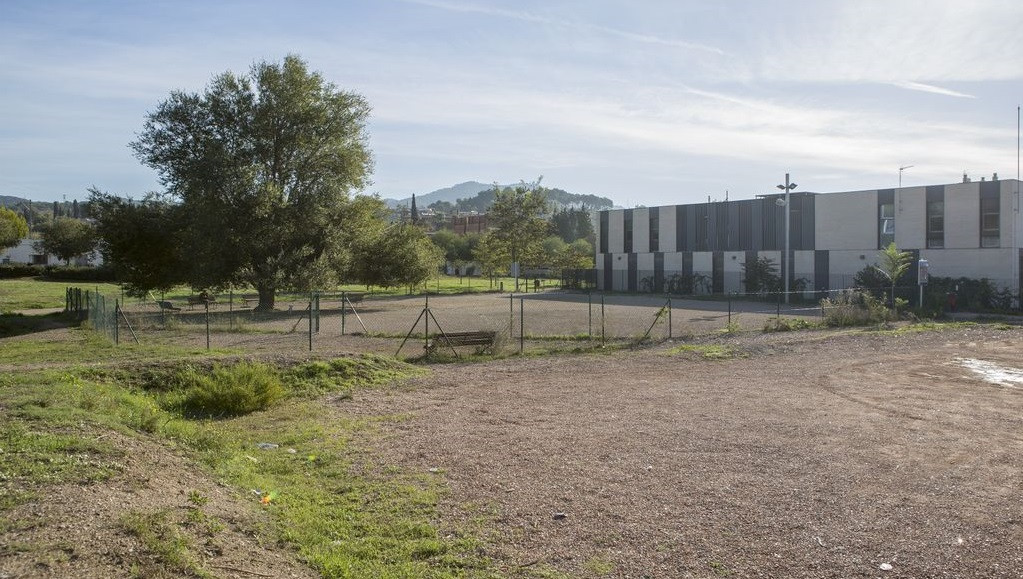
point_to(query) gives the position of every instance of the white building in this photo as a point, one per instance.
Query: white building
(26, 253)
(969, 229)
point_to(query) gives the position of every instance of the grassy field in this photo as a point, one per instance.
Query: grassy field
(328, 498)
(31, 293)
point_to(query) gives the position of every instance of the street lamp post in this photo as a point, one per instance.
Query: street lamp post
(901, 169)
(787, 187)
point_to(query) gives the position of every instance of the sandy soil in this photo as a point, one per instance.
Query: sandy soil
(810, 455)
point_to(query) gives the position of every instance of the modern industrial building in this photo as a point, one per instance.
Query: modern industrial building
(970, 229)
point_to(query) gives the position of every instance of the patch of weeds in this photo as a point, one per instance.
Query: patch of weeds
(32, 458)
(707, 351)
(719, 569)
(161, 538)
(342, 375)
(1003, 327)
(599, 566)
(789, 325)
(926, 327)
(196, 498)
(731, 328)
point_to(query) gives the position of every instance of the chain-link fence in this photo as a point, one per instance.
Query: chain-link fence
(410, 326)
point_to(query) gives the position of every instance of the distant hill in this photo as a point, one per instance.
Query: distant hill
(449, 194)
(476, 196)
(11, 201)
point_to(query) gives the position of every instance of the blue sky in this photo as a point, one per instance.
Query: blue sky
(647, 102)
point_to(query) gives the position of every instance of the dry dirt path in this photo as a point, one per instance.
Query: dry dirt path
(807, 455)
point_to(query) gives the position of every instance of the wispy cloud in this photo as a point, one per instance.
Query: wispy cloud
(908, 85)
(579, 25)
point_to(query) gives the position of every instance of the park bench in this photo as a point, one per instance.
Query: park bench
(201, 299)
(482, 340)
(166, 305)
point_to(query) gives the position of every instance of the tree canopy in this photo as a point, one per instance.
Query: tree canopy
(67, 238)
(13, 228)
(519, 220)
(260, 169)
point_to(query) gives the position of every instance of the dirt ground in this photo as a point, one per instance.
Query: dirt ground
(809, 454)
(806, 455)
(542, 316)
(79, 530)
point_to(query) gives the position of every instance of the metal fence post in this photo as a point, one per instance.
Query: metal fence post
(311, 298)
(602, 318)
(426, 319)
(522, 324)
(670, 335)
(589, 307)
(511, 315)
(207, 303)
(344, 305)
(117, 309)
(230, 309)
(729, 310)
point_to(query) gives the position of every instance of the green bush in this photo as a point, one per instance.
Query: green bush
(854, 308)
(228, 390)
(16, 270)
(78, 273)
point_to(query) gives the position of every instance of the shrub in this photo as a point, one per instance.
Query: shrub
(229, 390)
(78, 273)
(854, 308)
(16, 270)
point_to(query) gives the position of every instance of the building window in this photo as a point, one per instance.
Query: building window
(886, 225)
(604, 223)
(628, 231)
(935, 224)
(989, 222)
(655, 230)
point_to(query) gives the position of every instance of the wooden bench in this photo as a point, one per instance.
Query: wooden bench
(482, 340)
(165, 305)
(201, 300)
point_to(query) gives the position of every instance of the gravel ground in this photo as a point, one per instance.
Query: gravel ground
(806, 455)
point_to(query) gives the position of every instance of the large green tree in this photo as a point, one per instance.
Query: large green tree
(67, 238)
(141, 240)
(519, 221)
(13, 228)
(398, 255)
(262, 166)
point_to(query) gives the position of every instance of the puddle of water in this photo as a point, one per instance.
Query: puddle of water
(993, 373)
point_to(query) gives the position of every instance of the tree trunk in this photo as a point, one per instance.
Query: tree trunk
(266, 298)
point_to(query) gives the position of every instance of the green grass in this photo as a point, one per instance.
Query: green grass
(161, 537)
(30, 293)
(344, 513)
(707, 351)
(81, 346)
